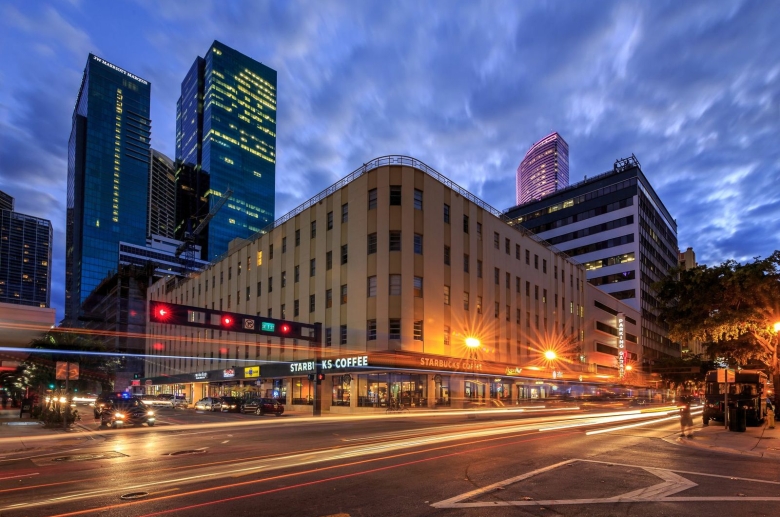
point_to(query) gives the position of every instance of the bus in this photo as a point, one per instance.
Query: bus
(747, 391)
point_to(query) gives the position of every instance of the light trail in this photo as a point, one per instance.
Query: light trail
(651, 422)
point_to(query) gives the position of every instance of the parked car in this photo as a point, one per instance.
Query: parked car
(170, 400)
(231, 404)
(149, 400)
(209, 404)
(262, 406)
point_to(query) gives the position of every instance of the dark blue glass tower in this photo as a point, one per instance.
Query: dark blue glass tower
(226, 129)
(108, 176)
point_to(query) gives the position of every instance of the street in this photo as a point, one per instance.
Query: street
(529, 462)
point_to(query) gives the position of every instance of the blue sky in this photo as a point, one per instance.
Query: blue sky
(691, 88)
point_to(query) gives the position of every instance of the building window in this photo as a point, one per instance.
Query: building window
(371, 243)
(446, 295)
(248, 293)
(465, 301)
(544, 266)
(329, 261)
(527, 288)
(495, 310)
(496, 275)
(296, 308)
(418, 287)
(536, 261)
(528, 257)
(221, 277)
(544, 295)
(446, 213)
(517, 316)
(284, 309)
(446, 335)
(496, 239)
(479, 269)
(343, 294)
(528, 319)
(297, 237)
(344, 255)
(343, 332)
(270, 251)
(312, 305)
(446, 255)
(330, 220)
(312, 267)
(270, 313)
(517, 284)
(371, 330)
(297, 274)
(329, 298)
(479, 231)
(517, 251)
(479, 305)
(284, 244)
(259, 288)
(284, 278)
(395, 241)
(395, 285)
(555, 272)
(313, 229)
(418, 199)
(466, 224)
(418, 242)
(536, 292)
(395, 329)
(372, 199)
(259, 258)
(344, 212)
(506, 246)
(372, 286)
(418, 330)
(328, 336)
(465, 263)
(270, 284)
(395, 195)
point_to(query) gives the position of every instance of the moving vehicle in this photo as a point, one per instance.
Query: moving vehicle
(262, 406)
(747, 392)
(209, 404)
(117, 409)
(231, 404)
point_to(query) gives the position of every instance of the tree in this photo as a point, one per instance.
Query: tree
(732, 308)
(38, 370)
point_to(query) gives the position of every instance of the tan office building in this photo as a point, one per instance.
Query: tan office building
(401, 267)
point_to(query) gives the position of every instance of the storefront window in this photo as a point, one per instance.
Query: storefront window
(474, 390)
(278, 390)
(408, 389)
(501, 390)
(302, 391)
(372, 390)
(341, 390)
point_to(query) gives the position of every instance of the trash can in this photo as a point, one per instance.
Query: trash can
(737, 419)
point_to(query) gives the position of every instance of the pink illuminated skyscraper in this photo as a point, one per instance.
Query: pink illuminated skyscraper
(544, 169)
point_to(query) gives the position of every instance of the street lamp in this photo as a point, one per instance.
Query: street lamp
(550, 355)
(777, 326)
(473, 343)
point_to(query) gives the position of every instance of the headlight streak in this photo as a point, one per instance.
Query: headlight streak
(601, 419)
(609, 430)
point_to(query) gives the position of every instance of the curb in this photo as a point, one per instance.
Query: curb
(725, 450)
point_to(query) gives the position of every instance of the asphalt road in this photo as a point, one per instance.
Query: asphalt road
(474, 464)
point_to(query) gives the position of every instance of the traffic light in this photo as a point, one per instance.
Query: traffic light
(51, 386)
(161, 313)
(311, 376)
(284, 328)
(137, 375)
(320, 378)
(227, 320)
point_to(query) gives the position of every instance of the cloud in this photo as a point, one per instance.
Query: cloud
(693, 89)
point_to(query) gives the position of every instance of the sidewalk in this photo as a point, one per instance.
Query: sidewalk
(24, 434)
(755, 441)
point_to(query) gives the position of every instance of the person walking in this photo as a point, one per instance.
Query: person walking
(686, 420)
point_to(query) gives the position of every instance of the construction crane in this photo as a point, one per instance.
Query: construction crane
(189, 237)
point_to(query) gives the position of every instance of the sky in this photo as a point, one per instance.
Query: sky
(691, 88)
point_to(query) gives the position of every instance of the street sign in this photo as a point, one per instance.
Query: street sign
(67, 371)
(726, 375)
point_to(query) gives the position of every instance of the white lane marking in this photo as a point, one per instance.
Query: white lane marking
(21, 476)
(660, 492)
(41, 455)
(226, 441)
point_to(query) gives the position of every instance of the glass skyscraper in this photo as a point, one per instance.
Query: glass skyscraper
(544, 169)
(25, 256)
(108, 176)
(226, 130)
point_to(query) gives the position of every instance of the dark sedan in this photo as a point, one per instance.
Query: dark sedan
(231, 404)
(263, 406)
(131, 411)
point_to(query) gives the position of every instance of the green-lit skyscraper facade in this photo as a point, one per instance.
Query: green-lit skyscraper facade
(108, 176)
(226, 128)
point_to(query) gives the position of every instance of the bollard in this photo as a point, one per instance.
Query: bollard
(770, 418)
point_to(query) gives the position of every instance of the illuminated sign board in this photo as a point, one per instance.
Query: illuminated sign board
(305, 366)
(450, 363)
(121, 71)
(199, 376)
(230, 372)
(621, 330)
(251, 372)
(344, 362)
(267, 326)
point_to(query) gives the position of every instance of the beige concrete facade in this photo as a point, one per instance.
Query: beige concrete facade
(516, 295)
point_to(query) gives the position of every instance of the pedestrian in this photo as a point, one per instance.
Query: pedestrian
(686, 420)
